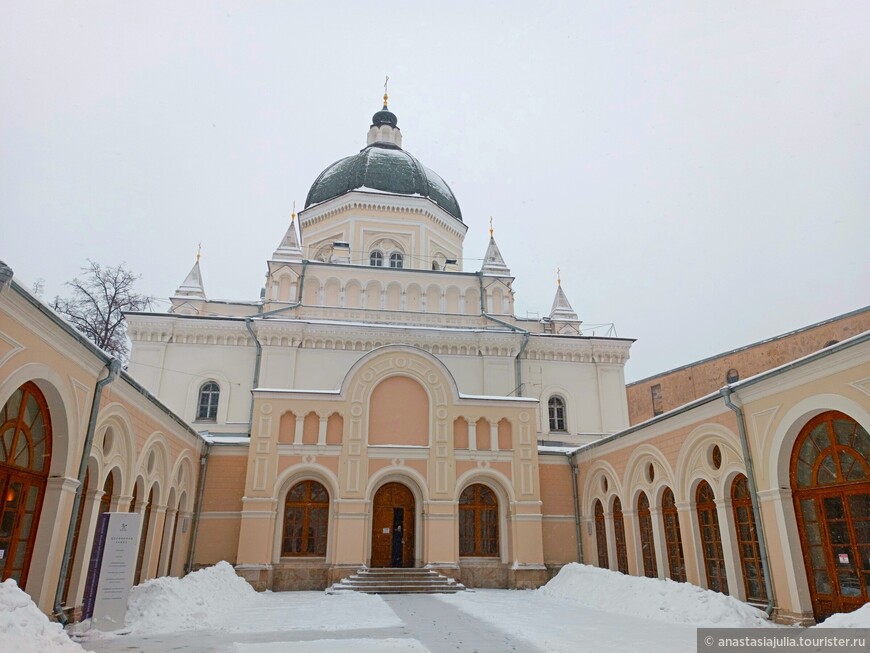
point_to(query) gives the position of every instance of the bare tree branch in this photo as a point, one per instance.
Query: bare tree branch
(100, 295)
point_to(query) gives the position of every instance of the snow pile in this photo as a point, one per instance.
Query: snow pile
(860, 618)
(651, 598)
(23, 627)
(201, 600)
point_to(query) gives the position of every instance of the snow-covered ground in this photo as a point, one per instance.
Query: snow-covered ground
(24, 629)
(582, 609)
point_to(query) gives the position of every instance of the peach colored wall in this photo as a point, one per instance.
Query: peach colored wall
(334, 429)
(327, 462)
(505, 435)
(311, 428)
(218, 539)
(483, 434)
(399, 413)
(557, 498)
(460, 433)
(696, 380)
(224, 483)
(287, 428)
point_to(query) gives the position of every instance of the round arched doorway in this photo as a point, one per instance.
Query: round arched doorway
(830, 480)
(25, 458)
(393, 516)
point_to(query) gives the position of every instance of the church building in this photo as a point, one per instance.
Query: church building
(395, 403)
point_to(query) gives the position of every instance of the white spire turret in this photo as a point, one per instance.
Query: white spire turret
(493, 262)
(562, 309)
(562, 314)
(191, 287)
(289, 249)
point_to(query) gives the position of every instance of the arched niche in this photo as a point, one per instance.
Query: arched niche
(399, 413)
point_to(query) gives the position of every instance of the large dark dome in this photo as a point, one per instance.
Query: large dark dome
(387, 168)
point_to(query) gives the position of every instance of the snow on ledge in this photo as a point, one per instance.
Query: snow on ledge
(651, 598)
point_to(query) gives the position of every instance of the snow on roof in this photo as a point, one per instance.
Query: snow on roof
(546, 448)
(225, 438)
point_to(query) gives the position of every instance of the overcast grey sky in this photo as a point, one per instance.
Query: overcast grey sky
(700, 171)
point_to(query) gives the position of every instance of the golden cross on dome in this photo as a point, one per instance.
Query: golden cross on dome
(293, 213)
(559, 276)
(198, 252)
(386, 97)
(490, 226)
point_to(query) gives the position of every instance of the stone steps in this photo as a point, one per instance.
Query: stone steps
(397, 581)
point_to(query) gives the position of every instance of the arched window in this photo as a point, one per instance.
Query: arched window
(601, 536)
(830, 482)
(306, 520)
(556, 408)
(376, 259)
(209, 395)
(397, 260)
(647, 546)
(747, 541)
(25, 457)
(711, 539)
(478, 522)
(673, 540)
(619, 537)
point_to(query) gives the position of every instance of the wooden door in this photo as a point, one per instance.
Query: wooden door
(830, 476)
(25, 457)
(393, 517)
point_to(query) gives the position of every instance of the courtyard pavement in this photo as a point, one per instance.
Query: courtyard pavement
(482, 621)
(427, 624)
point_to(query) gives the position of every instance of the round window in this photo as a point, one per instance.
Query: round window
(108, 441)
(716, 457)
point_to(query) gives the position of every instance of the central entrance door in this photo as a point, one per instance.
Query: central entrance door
(393, 527)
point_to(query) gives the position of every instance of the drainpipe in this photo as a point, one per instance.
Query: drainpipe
(256, 381)
(756, 511)
(518, 369)
(203, 469)
(113, 370)
(575, 475)
(249, 322)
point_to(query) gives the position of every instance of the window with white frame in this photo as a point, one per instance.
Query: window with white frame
(556, 407)
(209, 395)
(397, 260)
(376, 259)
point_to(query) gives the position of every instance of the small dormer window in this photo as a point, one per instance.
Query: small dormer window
(376, 259)
(397, 260)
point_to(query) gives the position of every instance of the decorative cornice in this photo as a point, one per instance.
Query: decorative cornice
(472, 340)
(387, 203)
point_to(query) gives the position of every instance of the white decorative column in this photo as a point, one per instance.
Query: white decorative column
(472, 434)
(659, 542)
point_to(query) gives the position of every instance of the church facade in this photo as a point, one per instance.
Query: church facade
(395, 404)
